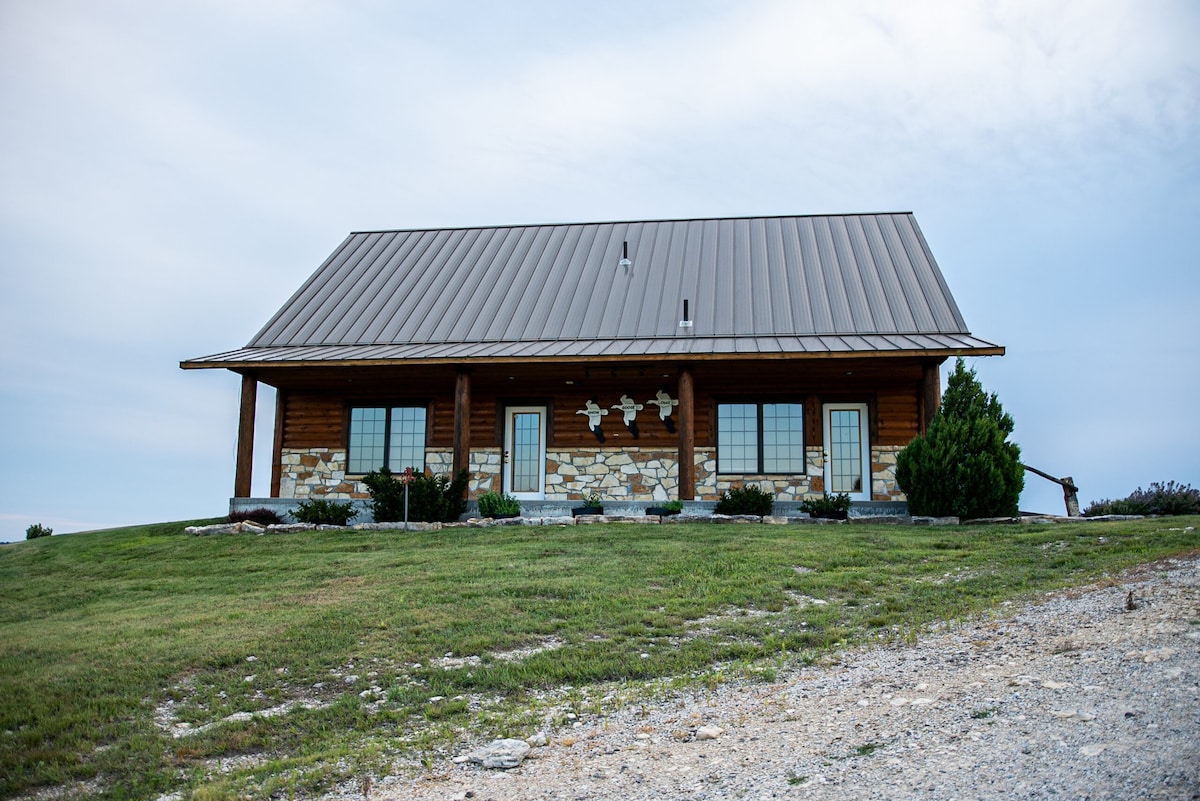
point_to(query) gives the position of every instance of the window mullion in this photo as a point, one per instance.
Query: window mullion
(759, 409)
(387, 437)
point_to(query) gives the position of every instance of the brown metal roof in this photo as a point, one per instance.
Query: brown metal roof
(863, 284)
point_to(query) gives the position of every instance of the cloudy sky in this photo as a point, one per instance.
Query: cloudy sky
(171, 172)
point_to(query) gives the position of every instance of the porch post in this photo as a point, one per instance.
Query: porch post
(462, 420)
(277, 447)
(931, 393)
(687, 437)
(245, 440)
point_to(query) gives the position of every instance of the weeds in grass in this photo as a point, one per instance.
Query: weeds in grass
(315, 658)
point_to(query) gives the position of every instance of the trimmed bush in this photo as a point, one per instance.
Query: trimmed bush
(747, 500)
(431, 499)
(320, 512)
(495, 504)
(387, 495)
(964, 464)
(1160, 499)
(262, 516)
(38, 530)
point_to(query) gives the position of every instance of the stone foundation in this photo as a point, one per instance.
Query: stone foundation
(616, 474)
(710, 485)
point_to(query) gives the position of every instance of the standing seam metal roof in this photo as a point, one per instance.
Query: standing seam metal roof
(754, 284)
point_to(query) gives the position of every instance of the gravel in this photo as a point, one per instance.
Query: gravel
(1089, 694)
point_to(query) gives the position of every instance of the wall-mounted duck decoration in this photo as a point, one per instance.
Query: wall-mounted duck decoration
(594, 413)
(665, 404)
(629, 411)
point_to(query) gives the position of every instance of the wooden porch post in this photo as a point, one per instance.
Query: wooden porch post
(245, 440)
(462, 420)
(931, 393)
(687, 436)
(277, 447)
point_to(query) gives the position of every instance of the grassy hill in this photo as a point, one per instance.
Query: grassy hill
(142, 661)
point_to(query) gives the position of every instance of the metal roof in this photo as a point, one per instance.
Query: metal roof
(821, 285)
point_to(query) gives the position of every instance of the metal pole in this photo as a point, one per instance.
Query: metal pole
(407, 480)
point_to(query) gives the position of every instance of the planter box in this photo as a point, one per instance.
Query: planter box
(587, 510)
(661, 511)
(831, 515)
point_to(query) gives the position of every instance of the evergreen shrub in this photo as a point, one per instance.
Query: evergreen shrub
(964, 465)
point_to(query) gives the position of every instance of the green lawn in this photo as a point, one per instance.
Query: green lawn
(108, 640)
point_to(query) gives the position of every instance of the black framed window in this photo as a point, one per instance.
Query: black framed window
(760, 438)
(392, 437)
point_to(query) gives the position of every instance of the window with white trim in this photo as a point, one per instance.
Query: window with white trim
(391, 437)
(760, 438)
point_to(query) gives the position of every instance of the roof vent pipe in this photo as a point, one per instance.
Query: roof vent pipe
(686, 322)
(625, 262)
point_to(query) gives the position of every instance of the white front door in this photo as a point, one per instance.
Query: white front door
(847, 450)
(525, 452)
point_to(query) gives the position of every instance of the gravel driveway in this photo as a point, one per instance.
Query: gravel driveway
(1090, 694)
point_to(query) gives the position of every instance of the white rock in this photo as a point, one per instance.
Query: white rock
(709, 732)
(501, 754)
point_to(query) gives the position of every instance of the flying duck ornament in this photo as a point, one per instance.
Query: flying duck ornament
(594, 413)
(629, 411)
(665, 404)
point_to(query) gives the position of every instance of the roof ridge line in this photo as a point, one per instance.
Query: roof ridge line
(629, 222)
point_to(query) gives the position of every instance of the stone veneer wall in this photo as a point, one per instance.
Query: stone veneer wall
(883, 473)
(617, 474)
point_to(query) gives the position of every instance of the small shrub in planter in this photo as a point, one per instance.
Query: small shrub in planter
(833, 507)
(320, 512)
(38, 530)
(1160, 499)
(262, 516)
(592, 505)
(748, 500)
(495, 504)
(665, 509)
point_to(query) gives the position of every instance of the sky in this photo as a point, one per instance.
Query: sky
(171, 172)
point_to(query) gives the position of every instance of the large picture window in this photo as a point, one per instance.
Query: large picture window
(760, 438)
(391, 437)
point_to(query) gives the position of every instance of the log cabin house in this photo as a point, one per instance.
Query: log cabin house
(642, 361)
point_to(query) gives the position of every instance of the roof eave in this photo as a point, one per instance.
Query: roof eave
(923, 353)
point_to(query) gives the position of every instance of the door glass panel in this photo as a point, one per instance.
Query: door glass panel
(846, 467)
(526, 452)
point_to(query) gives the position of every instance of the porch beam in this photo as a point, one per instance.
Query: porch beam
(687, 436)
(245, 440)
(462, 420)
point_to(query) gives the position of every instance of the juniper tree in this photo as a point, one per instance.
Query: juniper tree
(964, 464)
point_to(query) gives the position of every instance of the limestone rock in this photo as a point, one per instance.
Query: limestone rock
(500, 754)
